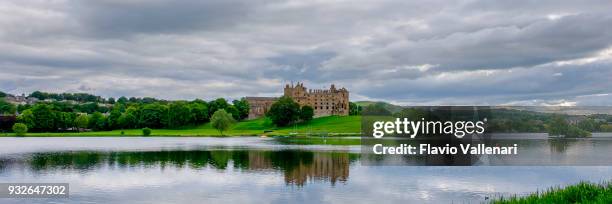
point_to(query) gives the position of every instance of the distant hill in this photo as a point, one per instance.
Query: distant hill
(388, 106)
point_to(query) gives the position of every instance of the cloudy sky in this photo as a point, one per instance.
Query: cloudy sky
(407, 52)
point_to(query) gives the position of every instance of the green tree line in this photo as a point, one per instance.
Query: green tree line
(80, 97)
(63, 116)
(285, 112)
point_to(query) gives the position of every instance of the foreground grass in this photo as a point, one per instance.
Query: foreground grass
(580, 193)
(329, 126)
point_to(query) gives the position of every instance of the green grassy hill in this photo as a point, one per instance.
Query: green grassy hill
(388, 106)
(331, 126)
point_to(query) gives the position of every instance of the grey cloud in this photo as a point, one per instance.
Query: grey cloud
(403, 51)
(115, 18)
(541, 42)
(299, 66)
(544, 83)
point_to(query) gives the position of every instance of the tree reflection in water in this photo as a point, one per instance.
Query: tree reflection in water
(297, 166)
(560, 145)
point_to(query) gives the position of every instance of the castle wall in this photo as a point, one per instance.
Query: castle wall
(259, 106)
(324, 102)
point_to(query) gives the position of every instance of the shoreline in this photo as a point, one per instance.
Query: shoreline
(96, 134)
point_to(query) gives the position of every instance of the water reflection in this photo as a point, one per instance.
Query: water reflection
(297, 166)
(560, 145)
(530, 152)
(255, 170)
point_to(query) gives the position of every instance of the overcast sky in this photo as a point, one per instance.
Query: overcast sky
(406, 52)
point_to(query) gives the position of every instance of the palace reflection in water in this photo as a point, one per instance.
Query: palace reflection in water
(298, 166)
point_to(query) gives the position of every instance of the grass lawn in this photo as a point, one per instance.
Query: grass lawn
(330, 125)
(580, 193)
(320, 140)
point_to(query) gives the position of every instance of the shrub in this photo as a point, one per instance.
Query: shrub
(20, 129)
(146, 131)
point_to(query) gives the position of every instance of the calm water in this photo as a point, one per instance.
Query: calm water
(256, 170)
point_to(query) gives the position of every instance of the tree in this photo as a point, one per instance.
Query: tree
(21, 108)
(2, 94)
(97, 121)
(130, 118)
(199, 111)
(113, 117)
(20, 129)
(65, 120)
(39, 95)
(122, 121)
(153, 115)
(81, 121)
(306, 113)
(589, 125)
(284, 111)
(148, 100)
(574, 131)
(6, 107)
(88, 108)
(27, 117)
(221, 120)
(43, 118)
(122, 100)
(179, 114)
(102, 109)
(354, 109)
(232, 110)
(243, 108)
(62, 106)
(80, 97)
(111, 100)
(558, 126)
(217, 104)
